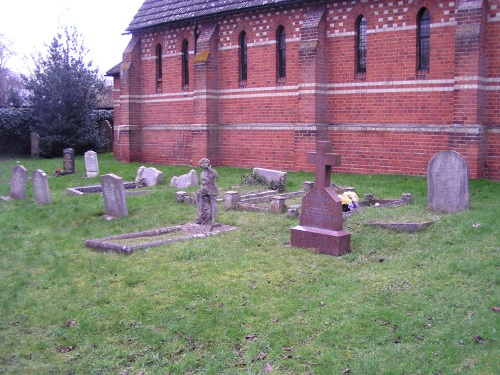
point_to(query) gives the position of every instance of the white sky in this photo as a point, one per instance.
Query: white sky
(30, 24)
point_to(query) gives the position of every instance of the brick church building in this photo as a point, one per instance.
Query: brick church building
(255, 83)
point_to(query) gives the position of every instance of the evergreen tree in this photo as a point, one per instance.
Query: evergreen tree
(64, 90)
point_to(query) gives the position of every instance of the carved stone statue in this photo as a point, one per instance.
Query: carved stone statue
(206, 196)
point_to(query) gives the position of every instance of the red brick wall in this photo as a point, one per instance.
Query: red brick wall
(391, 120)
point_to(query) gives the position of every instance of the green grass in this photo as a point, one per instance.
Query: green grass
(230, 304)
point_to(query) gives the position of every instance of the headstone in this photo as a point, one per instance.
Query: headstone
(35, 145)
(68, 161)
(275, 179)
(106, 131)
(321, 214)
(18, 183)
(150, 176)
(185, 180)
(114, 196)
(448, 182)
(91, 164)
(41, 187)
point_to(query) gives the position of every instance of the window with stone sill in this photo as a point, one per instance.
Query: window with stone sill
(361, 49)
(280, 54)
(423, 43)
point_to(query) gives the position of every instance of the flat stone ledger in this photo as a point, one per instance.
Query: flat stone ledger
(18, 182)
(321, 213)
(448, 182)
(91, 164)
(69, 161)
(114, 196)
(41, 187)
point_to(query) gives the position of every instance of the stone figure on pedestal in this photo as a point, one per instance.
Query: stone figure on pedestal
(206, 196)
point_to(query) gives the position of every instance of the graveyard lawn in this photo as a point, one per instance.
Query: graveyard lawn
(245, 302)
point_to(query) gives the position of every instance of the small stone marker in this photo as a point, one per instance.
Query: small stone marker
(448, 182)
(41, 187)
(68, 161)
(91, 164)
(17, 183)
(114, 196)
(321, 214)
(185, 180)
(151, 176)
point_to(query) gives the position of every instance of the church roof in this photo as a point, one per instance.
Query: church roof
(159, 12)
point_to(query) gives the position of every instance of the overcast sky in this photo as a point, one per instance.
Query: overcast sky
(30, 24)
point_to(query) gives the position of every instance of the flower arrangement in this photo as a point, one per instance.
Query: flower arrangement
(349, 201)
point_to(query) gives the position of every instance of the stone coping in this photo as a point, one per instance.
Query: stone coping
(401, 227)
(187, 232)
(93, 189)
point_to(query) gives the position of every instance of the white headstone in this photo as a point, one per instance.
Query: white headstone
(18, 182)
(91, 164)
(184, 181)
(41, 187)
(114, 195)
(448, 182)
(151, 176)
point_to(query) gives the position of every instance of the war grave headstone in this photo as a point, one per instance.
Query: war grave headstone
(185, 180)
(149, 176)
(91, 164)
(41, 187)
(114, 196)
(448, 182)
(68, 161)
(17, 183)
(321, 214)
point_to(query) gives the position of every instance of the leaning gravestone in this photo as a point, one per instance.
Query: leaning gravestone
(91, 164)
(185, 180)
(448, 182)
(321, 214)
(150, 176)
(114, 196)
(68, 161)
(41, 187)
(17, 183)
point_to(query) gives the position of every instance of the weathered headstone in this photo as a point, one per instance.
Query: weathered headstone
(106, 130)
(91, 164)
(448, 182)
(35, 145)
(150, 176)
(41, 187)
(17, 183)
(321, 214)
(68, 161)
(274, 179)
(185, 180)
(114, 196)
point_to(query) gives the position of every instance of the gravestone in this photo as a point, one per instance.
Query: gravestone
(106, 131)
(150, 176)
(91, 164)
(68, 161)
(185, 180)
(35, 145)
(321, 213)
(448, 182)
(114, 196)
(274, 179)
(17, 183)
(41, 187)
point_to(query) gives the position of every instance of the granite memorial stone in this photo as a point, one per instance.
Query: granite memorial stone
(41, 187)
(68, 161)
(321, 213)
(91, 164)
(448, 182)
(114, 196)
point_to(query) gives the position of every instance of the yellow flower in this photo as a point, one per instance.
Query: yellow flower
(352, 196)
(345, 200)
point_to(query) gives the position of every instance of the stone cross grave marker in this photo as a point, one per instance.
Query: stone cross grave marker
(448, 182)
(18, 183)
(114, 196)
(41, 187)
(91, 164)
(321, 215)
(68, 161)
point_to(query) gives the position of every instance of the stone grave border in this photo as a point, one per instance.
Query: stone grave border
(103, 244)
(95, 189)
